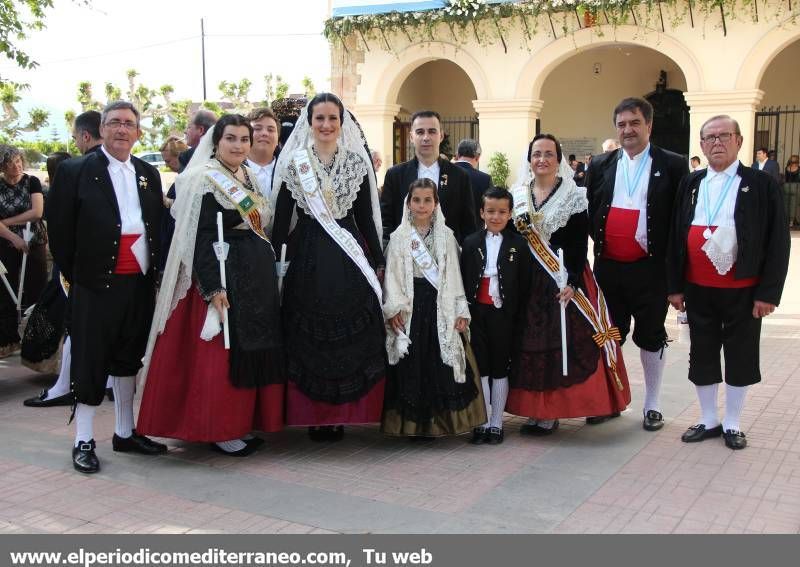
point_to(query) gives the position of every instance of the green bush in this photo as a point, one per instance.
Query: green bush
(499, 169)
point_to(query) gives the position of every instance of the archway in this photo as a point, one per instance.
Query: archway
(445, 87)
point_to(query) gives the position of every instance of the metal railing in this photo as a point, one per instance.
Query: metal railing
(778, 129)
(455, 129)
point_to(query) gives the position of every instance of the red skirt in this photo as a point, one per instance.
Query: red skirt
(188, 394)
(303, 411)
(597, 395)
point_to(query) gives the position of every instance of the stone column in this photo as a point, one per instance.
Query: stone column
(507, 125)
(741, 105)
(377, 122)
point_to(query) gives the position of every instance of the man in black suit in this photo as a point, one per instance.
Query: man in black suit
(104, 216)
(455, 191)
(726, 288)
(468, 154)
(767, 165)
(202, 121)
(631, 192)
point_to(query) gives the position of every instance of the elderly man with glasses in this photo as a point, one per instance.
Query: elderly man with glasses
(727, 261)
(104, 214)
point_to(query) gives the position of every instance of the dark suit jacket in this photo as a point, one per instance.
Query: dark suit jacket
(666, 172)
(84, 223)
(481, 182)
(455, 196)
(514, 267)
(762, 232)
(580, 180)
(771, 168)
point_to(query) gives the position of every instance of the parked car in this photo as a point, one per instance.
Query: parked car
(153, 158)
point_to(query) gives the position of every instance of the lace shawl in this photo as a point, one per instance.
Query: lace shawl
(451, 301)
(556, 212)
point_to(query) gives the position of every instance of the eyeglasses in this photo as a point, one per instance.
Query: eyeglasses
(545, 155)
(724, 138)
(128, 125)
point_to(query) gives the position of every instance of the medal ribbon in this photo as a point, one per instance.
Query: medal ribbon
(631, 189)
(709, 215)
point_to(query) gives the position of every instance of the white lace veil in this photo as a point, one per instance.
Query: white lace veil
(177, 277)
(351, 137)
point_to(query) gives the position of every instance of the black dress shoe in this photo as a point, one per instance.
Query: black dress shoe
(137, 444)
(478, 436)
(699, 432)
(254, 442)
(42, 401)
(598, 419)
(110, 394)
(537, 430)
(494, 436)
(83, 458)
(734, 439)
(245, 451)
(653, 420)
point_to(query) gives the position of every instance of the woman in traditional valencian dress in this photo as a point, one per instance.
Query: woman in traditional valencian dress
(196, 389)
(431, 390)
(331, 294)
(550, 212)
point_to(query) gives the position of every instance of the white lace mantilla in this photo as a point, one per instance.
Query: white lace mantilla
(556, 212)
(339, 186)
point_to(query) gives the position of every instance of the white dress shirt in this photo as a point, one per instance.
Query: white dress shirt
(714, 183)
(638, 199)
(431, 172)
(493, 242)
(123, 179)
(264, 175)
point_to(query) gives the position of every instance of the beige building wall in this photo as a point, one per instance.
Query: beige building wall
(438, 85)
(781, 82)
(722, 72)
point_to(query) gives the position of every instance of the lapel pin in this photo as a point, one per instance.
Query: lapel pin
(657, 174)
(745, 189)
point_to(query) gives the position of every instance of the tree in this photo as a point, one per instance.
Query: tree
(237, 94)
(308, 87)
(10, 124)
(281, 88)
(17, 18)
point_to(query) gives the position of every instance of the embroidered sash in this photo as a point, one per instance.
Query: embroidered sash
(241, 198)
(319, 208)
(422, 257)
(605, 335)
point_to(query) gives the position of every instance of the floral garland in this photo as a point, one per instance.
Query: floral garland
(488, 22)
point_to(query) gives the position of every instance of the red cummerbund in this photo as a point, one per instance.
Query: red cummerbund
(700, 270)
(621, 242)
(126, 261)
(483, 292)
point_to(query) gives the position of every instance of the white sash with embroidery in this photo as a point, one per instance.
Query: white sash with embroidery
(245, 204)
(319, 208)
(422, 257)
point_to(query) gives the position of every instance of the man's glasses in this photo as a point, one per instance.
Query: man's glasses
(724, 138)
(115, 124)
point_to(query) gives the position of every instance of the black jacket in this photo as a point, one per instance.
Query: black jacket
(666, 172)
(514, 268)
(455, 196)
(84, 222)
(762, 232)
(481, 182)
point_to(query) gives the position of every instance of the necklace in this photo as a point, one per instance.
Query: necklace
(232, 172)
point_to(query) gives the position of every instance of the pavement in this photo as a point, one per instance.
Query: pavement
(609, 478)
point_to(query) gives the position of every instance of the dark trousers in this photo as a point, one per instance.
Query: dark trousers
(721, 318)
(491, 331)
(109, 330)
(636, 290)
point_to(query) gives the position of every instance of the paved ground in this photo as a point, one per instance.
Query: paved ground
(612, 478)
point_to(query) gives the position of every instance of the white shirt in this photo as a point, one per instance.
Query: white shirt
(493, 242)
(264, 175)
(638, 199)
(761, 164)
(431, 172)
(123, 178)
(714, 183)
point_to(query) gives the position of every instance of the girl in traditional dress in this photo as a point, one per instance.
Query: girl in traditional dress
(431, 391)
(550, 212)
(197, 390)
(332, 294)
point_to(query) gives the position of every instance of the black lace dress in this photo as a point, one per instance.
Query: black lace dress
(332, 319)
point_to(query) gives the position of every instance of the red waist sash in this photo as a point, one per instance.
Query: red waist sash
(126, 261)
(483, 292)
(700, 270)
(621, 242)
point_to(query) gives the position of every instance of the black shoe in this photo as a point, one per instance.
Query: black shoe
(598, 419)
(537, 430)
(42, 401)
(83, 458)
(734, 439)
(137, 444)
(336, 433)
(478, 436)
(494, 436)
(316, 434)
(110, 394)
(653, 420)
(699, 432)
(254, 442)
(245, 451)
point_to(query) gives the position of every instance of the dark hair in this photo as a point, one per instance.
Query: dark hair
(762, 149)
(120, 105)
(88, 122)
(229, 120)
(695, 158)
(632, 104)
(325, 97)
(423, 183)
(426, 114)
(550, 137)
(469, 148)
(570, 158)
(263, 112)
(204, 119)
(54, 159)
(498, 193)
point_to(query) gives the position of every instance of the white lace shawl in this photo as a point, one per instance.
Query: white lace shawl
(190, 188)
(565, 202)
(451, 301)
